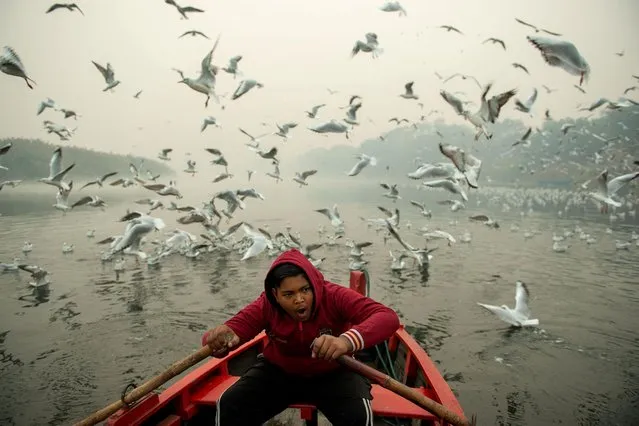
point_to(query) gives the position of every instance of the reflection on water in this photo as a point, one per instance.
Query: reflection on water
(70, 348)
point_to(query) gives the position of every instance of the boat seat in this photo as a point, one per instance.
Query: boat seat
(385, 402)
(171, 420)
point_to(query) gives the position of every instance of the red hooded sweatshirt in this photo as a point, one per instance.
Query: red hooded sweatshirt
(337, 310)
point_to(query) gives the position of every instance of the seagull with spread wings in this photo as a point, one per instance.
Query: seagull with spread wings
(108, 74)
(11, 64)
(69, 6)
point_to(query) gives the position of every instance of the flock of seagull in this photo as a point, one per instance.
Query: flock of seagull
(458, 174)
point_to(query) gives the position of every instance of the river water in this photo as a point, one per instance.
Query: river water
(70, 351)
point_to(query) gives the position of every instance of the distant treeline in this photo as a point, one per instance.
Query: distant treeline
(29, 159)
(552, 159)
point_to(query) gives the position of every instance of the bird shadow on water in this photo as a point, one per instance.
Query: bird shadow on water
(36, 296)
(66, 314)
(517, 402)
(431, 336)
(135, 302)
(509, 338)
(400, 280)
(7, 359)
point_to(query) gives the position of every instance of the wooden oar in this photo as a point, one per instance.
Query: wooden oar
(147, 387)
(359, 367)
(403, 390)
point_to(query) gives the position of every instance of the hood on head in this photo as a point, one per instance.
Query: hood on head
(315, 277)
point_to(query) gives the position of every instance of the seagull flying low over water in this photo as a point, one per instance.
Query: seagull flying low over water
(465, 162)
(3, 150)
(524, 138)
(333, 216)
(422, 256)
(449, 185)
(40, 276)
(260, 242)
(100, 180)
(11, 183)
(518, 317)
(11, 64)
(607, 189)
(56, 174)
(89, 200)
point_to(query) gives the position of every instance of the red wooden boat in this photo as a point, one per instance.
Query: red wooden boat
(191, 400)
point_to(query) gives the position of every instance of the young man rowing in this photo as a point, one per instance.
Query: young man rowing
(310, 322)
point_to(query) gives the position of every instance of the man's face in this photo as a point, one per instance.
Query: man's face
(295, 296)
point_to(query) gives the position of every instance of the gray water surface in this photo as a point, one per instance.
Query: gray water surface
(69, 352)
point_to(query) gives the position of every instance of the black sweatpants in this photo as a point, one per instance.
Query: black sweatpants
(265, 390)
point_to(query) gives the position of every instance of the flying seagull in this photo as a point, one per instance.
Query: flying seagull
(11, 64)
(100, 180)
(527, 105)
(313, 112)
(537, 29)
(244, 87)
(490, 109)
(450, 28)
(183, 10)
(370, 46)
(194, 33)
(408, 94)
(69, 6)
(108, 74)
(393, 6)
(494, 40)
(205, 83)
(518, 317)
(521, 67)
(563, 54)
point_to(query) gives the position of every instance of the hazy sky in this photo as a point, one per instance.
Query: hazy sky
(296, 49)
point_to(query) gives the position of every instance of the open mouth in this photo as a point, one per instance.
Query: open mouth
(301, 312)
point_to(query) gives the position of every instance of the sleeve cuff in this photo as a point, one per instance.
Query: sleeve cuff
(355, 338)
